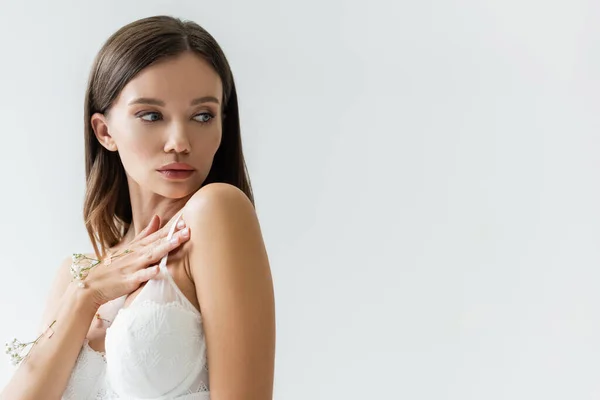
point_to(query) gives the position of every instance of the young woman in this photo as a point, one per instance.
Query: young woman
(177, 301)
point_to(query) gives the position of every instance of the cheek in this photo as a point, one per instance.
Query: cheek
(138, 156)
(136, 146)
(205, 144)
(141, 149)
(214, 141)
(135, 159)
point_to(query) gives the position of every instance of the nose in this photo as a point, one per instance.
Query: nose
(177, 140)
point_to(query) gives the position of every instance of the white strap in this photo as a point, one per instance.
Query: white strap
(163, 261)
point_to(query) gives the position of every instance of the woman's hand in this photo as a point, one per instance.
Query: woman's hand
(126, 272)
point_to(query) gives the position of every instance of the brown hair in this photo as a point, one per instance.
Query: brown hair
(107, 206)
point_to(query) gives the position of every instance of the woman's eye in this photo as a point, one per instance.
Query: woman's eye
(203, 117)
(151, 116)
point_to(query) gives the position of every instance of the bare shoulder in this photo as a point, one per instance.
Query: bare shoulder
(221, 212)
(232, 277)
(221, 218)
(219, 198)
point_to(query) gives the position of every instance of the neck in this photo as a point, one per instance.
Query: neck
(145, 205)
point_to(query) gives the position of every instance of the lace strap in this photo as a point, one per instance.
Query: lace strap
(169, 277)
(163, 261)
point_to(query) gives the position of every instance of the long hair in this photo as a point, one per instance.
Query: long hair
(107, 206)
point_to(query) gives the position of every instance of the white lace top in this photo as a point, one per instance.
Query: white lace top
(155, 349)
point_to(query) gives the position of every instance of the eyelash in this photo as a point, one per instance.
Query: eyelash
(143, 114)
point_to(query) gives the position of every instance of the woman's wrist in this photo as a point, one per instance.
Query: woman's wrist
(82, 301)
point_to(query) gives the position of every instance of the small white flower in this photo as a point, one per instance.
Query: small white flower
(16, 359)
(81, 266)
(15, 348)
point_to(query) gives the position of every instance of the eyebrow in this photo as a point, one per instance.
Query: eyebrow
(157, 102)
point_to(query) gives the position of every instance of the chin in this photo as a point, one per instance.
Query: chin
(176, 190)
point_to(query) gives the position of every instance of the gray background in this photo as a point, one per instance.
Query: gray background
(426, 176)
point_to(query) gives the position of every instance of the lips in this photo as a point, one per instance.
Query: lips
(176, 171)
(176, 167)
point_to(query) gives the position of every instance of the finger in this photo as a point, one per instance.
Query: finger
(162, 233)
(160, 248)
(144, 274)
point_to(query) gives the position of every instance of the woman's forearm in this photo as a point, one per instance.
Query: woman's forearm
(45, 372)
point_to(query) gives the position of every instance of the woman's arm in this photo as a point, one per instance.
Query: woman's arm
(45, 372)
(57, 293)
(233, 281)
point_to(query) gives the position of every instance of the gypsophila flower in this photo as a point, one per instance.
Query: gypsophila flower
(16, 348)
(81, 266)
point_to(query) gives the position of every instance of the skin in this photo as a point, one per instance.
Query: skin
(223, 268)
(45, 371)
(147, 135)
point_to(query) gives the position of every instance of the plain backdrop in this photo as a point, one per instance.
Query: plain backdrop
(426, 177)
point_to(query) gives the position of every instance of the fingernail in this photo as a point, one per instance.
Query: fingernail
(185, 232)
(174, 240)
(180, 224)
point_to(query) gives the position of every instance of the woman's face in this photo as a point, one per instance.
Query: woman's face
(166, 125)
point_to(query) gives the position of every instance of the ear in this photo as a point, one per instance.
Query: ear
(100, 127)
